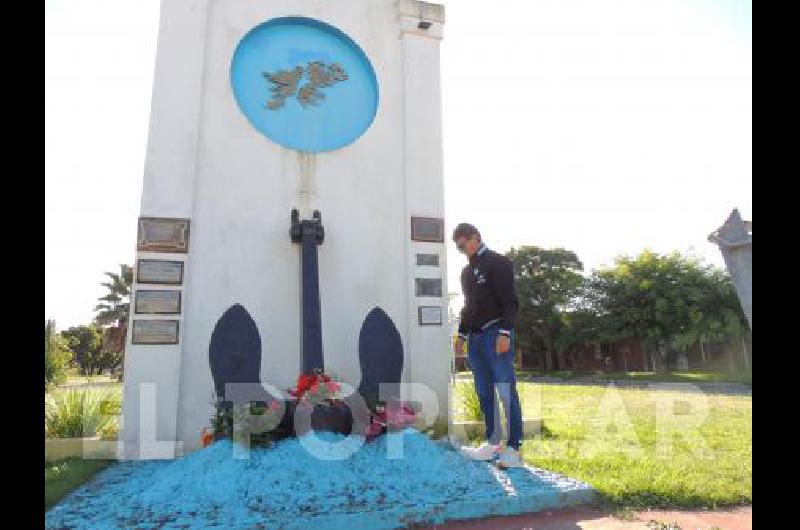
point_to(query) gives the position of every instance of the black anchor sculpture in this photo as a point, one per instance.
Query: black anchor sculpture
(235, 348)
(310, 234)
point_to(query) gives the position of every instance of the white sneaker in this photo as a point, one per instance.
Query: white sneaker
(510, 458)
(484, 452)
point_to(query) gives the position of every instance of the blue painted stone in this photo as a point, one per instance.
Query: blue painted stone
(320, 481)
(344, 112)
(380, 353)
(234, 353)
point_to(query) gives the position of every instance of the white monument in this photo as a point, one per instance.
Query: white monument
(261, 107)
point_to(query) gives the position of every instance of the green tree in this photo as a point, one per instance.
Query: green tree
(662, 301)
(547, 282)
(56, 356)
(114, 306)
(581, 326)
(716, 315)
(113, 311)
(86, 344)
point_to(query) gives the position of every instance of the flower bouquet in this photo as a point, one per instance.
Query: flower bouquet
(320, 395)
(261, 422)
(390, 417)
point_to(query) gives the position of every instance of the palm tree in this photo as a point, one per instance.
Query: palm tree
(114, 309)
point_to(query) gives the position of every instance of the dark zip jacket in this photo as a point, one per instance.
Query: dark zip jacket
(489, 294)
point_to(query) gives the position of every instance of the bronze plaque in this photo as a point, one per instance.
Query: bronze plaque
(159, 234)
(158, 302)
(427, 260)
(429, 287)
(155, 332)
(159, 272)
(430, 316)
(427, 229)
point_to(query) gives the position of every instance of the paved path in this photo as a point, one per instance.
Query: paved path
(593, 519)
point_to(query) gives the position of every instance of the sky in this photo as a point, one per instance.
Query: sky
(601, 126)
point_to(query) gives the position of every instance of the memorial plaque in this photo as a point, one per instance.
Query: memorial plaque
(427, 229)
(427, 260)
(155, 332)
(159, 234)
(430, 316)
(159, 272)
(429, 287)
(158, 302)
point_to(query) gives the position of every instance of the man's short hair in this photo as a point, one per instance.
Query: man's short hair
(465, 230)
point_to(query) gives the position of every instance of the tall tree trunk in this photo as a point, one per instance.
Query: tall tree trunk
(562, 362)
(731, 360)
(548, 360)
(662, 359)
(703, 351)
(548, 344)
(744, 354)
(644, 355)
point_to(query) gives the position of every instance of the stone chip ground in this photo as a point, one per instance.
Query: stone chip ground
(287, 487)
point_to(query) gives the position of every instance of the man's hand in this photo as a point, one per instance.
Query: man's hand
(460, 345)
(503, 344)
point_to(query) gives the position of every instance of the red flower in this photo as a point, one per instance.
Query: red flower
(373, 431)
(206, 438)
(304, 383)
(400, 416)
(310, 383)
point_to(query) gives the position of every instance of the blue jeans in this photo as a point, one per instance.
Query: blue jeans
(491, 371)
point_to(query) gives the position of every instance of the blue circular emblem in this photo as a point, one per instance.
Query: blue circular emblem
(304, 84)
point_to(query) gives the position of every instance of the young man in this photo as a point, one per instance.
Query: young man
(487, 325)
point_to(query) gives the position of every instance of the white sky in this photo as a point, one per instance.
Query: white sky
(603, 126)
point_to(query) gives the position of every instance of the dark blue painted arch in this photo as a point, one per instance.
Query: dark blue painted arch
(380, 352)
(234, 353)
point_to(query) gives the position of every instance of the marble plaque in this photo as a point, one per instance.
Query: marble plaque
(429, 287)
(430, 316)
(158, 302)
(159, 234)
(155, 332)
(427, 229)
(427, 260)
(159, 272)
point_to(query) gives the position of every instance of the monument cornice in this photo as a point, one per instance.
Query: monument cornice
(424, 19)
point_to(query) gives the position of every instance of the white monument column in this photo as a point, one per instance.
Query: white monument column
(421, 32)
(152, 372)
(261, 107)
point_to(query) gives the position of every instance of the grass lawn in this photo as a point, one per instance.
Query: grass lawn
(695, 376)
(63, 476)
(682, 377)
(82, 380)
(610, 439)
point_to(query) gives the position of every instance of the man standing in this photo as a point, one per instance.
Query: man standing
(487, 325)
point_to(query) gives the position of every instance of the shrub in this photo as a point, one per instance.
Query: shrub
(262, 425)
(82, 413)
(468, 401)
(57, 356)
